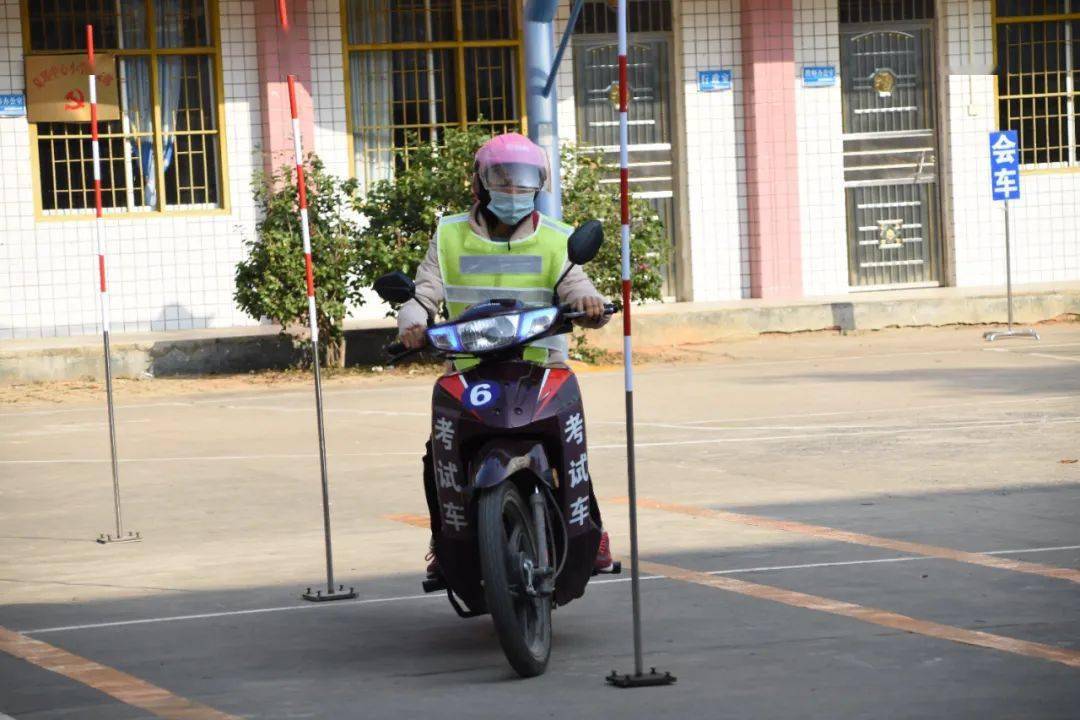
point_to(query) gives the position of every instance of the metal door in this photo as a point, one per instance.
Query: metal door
(596, 75)
(890, 155)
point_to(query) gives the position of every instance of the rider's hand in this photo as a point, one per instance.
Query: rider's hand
(412, 337)
(593, 307)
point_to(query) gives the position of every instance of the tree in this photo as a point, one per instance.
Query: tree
(270, 282)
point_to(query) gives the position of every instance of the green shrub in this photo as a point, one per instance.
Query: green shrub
(403, 212)
(270, 282)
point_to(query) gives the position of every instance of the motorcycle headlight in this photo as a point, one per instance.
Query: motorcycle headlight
(445, 338)
(535, 322)
(493, 333)
(486, 334)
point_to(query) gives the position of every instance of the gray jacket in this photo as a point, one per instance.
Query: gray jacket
(429, 283)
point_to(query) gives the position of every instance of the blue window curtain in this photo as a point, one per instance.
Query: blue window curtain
(138, 100)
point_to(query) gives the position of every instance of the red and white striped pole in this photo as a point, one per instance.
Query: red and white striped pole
(99, 232)
(639, 678)
(332, 592)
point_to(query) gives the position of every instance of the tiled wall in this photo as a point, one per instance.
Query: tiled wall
(328, 85)
(165, 273)
(1045, 240)
(821, 167)
(716, 192)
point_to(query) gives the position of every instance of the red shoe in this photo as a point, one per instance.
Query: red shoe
(604, 563)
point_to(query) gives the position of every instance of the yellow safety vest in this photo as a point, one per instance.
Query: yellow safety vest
(475, 269)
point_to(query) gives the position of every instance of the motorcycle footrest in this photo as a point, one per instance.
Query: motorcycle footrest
(434, 584)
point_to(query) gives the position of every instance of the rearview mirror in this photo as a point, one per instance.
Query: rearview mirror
(585, 243)
(395, 287)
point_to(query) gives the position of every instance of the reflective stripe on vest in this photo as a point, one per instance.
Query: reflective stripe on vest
(472, 295)
(475, 269)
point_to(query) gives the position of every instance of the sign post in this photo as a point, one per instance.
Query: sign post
(1005, 186)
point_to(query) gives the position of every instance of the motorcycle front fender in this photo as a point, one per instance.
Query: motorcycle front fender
(499, 460)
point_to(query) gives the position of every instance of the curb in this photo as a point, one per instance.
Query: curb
(172, 354)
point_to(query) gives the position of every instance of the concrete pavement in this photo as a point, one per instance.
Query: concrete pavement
(837, 483)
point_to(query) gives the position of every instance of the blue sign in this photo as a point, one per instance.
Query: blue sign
(819, 76)
(1005, 165)
(13, 105)
(713, 80)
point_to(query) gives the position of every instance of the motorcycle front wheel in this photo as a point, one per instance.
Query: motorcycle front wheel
(508, 545)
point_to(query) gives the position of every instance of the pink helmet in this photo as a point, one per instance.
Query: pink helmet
(511, 160)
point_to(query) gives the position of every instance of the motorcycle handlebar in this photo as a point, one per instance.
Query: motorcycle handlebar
(569, 313)
(398, 348)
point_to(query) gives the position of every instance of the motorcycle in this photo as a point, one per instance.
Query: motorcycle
(518, 524)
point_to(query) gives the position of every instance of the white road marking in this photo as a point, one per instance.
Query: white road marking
(1052, 357)
(224, 398)
(66, 429)
(871, 430)
(743, 428)
(1022, 350)
(898, 410)
(606, 581)
(339, 411)
(813, 436)
(213, 458)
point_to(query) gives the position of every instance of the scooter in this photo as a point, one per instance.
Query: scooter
(519, 526)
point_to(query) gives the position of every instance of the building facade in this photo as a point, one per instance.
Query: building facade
(794, 148)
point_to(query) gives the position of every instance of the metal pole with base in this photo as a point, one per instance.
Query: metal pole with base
(639, 678)
(333, 592)
(1025, 332)
(99, 232)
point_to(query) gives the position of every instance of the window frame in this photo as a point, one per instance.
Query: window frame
(1071, 94)
(459, 45)
(153, 52)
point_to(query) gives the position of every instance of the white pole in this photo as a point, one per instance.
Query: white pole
(639, 678)
(99, 232)
(332, 592)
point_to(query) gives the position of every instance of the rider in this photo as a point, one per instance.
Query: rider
(508, 174)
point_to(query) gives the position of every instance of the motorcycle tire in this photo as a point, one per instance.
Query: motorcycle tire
(506, 538)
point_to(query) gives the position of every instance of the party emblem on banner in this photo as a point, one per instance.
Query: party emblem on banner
(58, 88)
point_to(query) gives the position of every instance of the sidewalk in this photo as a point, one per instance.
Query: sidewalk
(231, 350)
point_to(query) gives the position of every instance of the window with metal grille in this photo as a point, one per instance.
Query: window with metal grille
(875, 11)
(598, 17)
(1038, 69)
(164, 153)
(416, 67)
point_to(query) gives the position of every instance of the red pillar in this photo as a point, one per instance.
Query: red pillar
(281, 53)
(772, 160)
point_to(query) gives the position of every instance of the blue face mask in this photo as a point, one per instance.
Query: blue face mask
(510, 208)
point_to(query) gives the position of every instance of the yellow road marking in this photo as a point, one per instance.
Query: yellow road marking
(870, 615)
(828, 533)
(125, 688)
(420, 521)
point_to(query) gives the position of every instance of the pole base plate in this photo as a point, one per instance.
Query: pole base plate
(649, 679)
(325, 595)
(995, 334)
(106, 539)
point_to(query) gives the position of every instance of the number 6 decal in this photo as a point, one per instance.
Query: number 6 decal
(482, 394)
